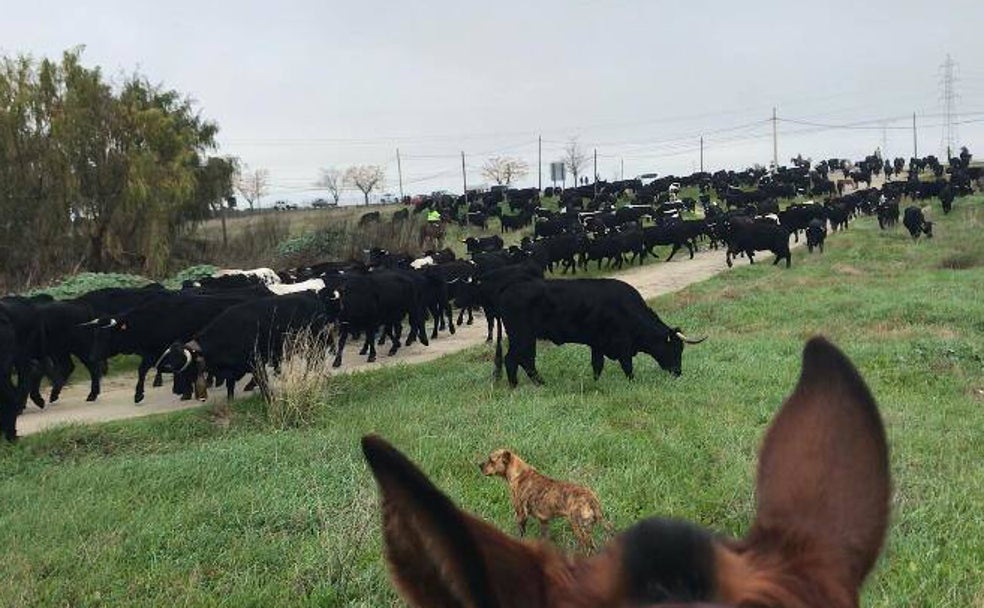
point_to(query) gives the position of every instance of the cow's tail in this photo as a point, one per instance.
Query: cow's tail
(498, 348)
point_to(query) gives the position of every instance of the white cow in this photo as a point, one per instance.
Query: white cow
(282, 289)
(266, 275)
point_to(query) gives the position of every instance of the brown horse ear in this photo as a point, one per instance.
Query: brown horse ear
(440, 556)
(823, 479)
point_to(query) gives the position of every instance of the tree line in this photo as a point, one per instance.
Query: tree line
(98, 175)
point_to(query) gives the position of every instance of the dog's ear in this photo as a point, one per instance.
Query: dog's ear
(441, 556)
(506, 457)
(823, 479)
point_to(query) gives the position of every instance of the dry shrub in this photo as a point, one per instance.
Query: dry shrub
(294, 396)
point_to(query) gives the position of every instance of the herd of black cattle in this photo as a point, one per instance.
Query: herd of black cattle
(218, 329)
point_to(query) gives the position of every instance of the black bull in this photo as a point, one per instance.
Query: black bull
(607, 315)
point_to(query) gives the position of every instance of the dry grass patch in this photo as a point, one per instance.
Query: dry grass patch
(294, 397)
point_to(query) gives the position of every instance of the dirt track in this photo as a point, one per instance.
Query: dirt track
(116, 400)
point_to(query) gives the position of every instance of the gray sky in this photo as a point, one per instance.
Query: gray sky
(297, 85)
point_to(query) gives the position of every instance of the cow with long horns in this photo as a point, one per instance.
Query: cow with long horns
(607, 315)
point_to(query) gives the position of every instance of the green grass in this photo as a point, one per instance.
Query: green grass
(176, 510)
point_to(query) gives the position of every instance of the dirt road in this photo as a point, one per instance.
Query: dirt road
(116, 400)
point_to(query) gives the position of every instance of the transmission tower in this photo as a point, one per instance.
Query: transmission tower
(948, 98)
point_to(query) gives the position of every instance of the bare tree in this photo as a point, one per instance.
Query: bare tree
(331, 180)
(574, 158)
(365, 177)
(503, 170)
(253, 185)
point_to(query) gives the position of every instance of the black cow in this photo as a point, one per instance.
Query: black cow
(11, 397)
(378, 300)
(816, 234)
(607, 315)
(888, 214)
(915, 222)
(515, 222)
(401, 215)
(243, 338)
(483, 244)
(150, 329)
(673, 233)
(369, 218)
(744, 236)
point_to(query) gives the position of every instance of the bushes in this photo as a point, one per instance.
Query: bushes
(75, 286)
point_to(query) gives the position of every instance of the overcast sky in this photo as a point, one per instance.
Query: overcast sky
(298, 85)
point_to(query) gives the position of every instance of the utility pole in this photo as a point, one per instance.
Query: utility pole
(915, 148)
(464, 178)
(621, 171)
(775, 140)
(596, 171)
(399, 171)
(949, 99)
(701, 153)
(539, 162)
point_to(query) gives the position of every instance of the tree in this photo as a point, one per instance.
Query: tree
(214, 187)
(574, 158)
(365, 178)
(93, 174)
(252, 184)
(331, 180)
(503, 170)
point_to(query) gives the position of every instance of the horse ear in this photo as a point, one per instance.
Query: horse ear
(441, 556)
(823, 479)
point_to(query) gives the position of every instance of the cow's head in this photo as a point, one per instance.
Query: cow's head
(822, 512)
(184, 360)
(665, 345)
(107, 333)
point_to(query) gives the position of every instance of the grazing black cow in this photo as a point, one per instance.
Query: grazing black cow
(401, 215)
(607, 315)
(561, 249)
(816, 234)
(744, 236)
(243, 338)
(483, 244)
(377, 301)
(369, 218)
(150, 329)
(916, 223)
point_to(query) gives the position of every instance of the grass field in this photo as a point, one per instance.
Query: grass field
(176, 510)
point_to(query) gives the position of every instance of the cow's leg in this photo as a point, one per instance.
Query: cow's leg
(145, 364)
(158, 380)
(751, 256)
(450, 313)
(365, 344)
(343, 336)
(597, 362)
(690, 248)
(676, 247)
(497, 371)
(251, 385)
(461, 315)
(230, 388)
(471, 318)
(626, 363)
(372, 345)
(95, 378)
(394, 346)
(64, 366)
(435, 313)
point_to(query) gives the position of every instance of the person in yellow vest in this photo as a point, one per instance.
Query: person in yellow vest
(434, 216)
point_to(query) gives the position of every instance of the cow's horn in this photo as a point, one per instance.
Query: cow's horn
(335, 295)
(690, 340)
(187, 356)
(112, 323)
(89, 323)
